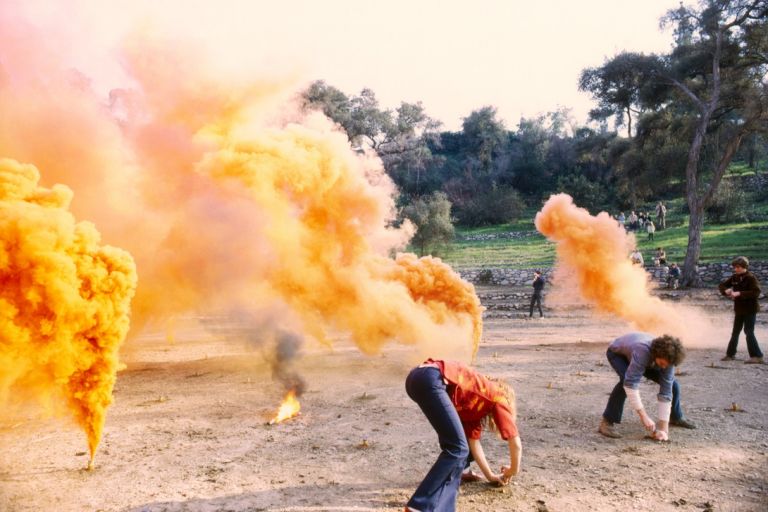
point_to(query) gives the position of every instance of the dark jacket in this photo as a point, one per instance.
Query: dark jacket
(538, 285)
(749, 288)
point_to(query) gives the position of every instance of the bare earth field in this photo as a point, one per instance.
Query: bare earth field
(188, 432)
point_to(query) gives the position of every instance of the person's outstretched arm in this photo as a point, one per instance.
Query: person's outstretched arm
(479, 455)
(515, 455)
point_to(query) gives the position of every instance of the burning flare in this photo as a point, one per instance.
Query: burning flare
(64, 303)
(288, 409)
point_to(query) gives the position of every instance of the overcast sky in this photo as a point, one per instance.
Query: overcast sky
(455, 56)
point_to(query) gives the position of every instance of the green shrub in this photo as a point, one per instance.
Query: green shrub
(485, 276)
(728, 205)
(585, 193)
(432, 217)
(499, 205)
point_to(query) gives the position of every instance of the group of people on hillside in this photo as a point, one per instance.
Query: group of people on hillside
(460, 403)
(643, 222)
(659, 260)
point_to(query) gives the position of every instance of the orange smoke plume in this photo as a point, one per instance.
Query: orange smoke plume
(64, 303)
(595, 251)
(327, 213)
(228, 197)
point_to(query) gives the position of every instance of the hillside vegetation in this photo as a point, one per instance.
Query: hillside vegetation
(519, 245)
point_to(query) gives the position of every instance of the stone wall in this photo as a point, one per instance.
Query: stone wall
(757, 181)
(711, 273)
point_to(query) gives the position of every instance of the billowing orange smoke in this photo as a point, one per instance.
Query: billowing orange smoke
(228, 197)
(288, 409)
(327, 212)
(64, 303)
(594, 251)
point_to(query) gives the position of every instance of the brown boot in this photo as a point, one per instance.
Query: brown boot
(754, 360)
(607, 429)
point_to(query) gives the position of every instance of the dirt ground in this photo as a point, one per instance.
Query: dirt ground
(188, 432)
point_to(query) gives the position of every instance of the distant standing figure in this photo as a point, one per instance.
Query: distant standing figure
(632, 220)
(650, 228)
(661, 215)
(637, 355)
(661, 256)
(538, 285)
(744, 288)
(673, 277)
(621, 219)
(637, 258)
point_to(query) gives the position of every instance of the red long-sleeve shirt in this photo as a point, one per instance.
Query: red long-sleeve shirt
(475, 397)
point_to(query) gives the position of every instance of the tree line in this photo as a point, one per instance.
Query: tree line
(665, 125)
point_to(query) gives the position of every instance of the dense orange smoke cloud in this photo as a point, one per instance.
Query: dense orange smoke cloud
(594, 252)
(52, 117)
(228, 197)
(327, 212)
(64, 303)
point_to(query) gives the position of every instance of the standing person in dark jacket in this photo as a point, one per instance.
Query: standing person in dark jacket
(538, 286)
(744, 289)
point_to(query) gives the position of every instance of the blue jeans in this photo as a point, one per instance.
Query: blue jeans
(615, 407)
(747, 322)
(439, 489)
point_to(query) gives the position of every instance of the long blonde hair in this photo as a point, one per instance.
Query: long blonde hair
(508, 394)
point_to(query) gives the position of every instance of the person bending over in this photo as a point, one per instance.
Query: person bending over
(637, 355)
(459, 402)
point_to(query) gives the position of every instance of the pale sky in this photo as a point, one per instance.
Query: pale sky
(453, 55)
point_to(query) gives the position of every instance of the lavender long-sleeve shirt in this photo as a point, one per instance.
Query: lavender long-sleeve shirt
(636, 347)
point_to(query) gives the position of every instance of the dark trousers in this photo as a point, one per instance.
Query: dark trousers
(615, 407)
(536, 300)
(439, 489)
(747, 322)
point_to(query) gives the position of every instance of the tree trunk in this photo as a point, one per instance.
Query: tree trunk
(690, 275)
(629, 123)
(752, 152)
(698, 203)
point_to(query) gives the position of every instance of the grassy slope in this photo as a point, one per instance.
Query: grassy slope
(720, 243)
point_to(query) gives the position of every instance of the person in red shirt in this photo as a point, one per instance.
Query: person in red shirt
(459, 402)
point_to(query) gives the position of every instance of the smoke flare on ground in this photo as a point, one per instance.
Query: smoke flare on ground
(593, 252)
(64, 303)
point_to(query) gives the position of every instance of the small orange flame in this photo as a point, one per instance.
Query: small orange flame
(288, 409)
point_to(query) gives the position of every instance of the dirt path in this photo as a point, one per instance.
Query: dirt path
(187, 431)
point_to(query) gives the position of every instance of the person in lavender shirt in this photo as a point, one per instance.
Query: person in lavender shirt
(637, 355)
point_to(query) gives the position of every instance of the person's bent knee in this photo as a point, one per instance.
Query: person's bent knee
(458, 450)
